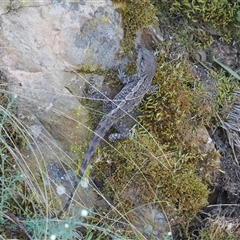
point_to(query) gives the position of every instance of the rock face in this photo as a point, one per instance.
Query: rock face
(41, 48)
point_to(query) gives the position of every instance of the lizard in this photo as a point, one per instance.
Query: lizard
(123, 103)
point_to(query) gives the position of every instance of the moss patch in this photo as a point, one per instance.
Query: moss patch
(148, 173)
(219, 14)
(194, 23)
(179, 105)
(135, 16)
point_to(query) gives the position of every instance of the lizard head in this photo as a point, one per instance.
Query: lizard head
(146, 62)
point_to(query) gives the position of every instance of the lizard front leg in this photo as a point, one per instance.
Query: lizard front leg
(125, 80)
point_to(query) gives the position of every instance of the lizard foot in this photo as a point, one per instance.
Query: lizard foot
(123, 132)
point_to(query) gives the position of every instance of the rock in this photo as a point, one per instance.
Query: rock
(42, 46)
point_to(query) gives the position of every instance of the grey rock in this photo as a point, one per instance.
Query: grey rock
(42, 45)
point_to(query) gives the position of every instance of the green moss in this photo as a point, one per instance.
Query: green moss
(178, 106)
(193, 23)
(167, 179)
(89, 68)
(219, 14)
(136, 16)
(225, 87)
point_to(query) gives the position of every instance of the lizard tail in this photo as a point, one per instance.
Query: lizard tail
(103, 126)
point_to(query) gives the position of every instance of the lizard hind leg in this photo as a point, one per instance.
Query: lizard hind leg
(123, 132)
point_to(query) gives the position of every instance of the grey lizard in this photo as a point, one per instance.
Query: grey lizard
(123, 103)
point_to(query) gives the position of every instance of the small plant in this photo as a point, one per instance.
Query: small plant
(228, 69)
(9, 180)
(53, 229)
